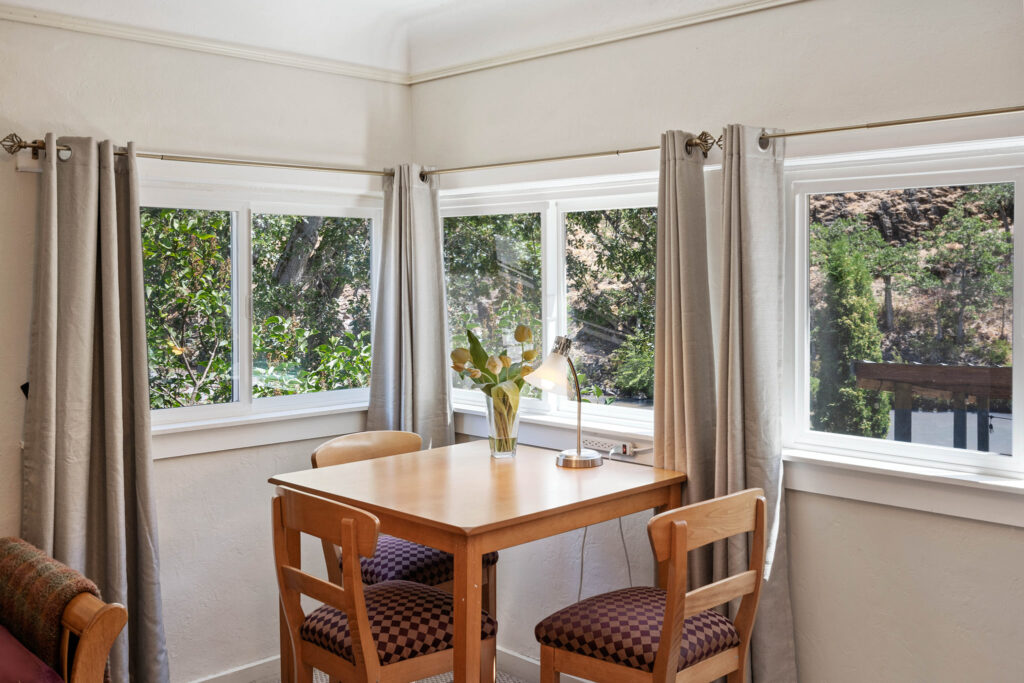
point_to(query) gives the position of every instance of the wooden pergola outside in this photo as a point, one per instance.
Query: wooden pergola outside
(960, 383)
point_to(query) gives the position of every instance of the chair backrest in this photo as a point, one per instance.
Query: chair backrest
(355, 531)
(676, 532)
(365, 446)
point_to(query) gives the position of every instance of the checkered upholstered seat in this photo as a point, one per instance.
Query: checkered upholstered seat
(397, 559)
(407, 620)
(624, 627)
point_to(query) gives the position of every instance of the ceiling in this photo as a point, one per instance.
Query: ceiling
(408, 37)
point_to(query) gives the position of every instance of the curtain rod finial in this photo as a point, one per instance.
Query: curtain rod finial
(13, 143)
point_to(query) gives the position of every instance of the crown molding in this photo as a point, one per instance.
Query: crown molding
(337, 67)
(216, 47)
(738, 9)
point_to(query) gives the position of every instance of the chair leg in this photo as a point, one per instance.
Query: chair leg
(548, 674)
(303, 672)
(490, 593)
(488, 663)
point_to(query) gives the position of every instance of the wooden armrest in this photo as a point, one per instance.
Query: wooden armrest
(97, 625)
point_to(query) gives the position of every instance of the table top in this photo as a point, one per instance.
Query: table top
(462, 489)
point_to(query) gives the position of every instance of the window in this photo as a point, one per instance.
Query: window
(493, 280)
(248, 307)
(905, 301)
(581, 266)
(610, 258)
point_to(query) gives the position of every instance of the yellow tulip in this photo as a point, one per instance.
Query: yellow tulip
(474, 373)
(529, 355)
(505, 361)
(523, 334)
(460, 356)
(526, 370)
(493, 365)
(458, 367)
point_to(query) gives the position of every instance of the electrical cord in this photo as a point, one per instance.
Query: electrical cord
(625, 553)
(583, 550)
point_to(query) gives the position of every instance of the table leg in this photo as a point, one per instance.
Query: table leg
(675, 499)
(466, 595)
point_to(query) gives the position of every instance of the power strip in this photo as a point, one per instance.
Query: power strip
(606, 446)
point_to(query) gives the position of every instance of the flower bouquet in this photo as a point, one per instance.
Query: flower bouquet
(501, 380)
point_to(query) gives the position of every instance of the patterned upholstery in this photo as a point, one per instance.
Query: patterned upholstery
(399, 560)
(624, 627)
(406, 619)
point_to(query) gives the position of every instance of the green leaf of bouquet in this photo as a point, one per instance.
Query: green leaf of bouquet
(476, 350)
(507, 393)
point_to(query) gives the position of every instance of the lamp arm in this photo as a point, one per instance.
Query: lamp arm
(579, 408)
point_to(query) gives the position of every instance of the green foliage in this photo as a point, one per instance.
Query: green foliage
(969, 268)
(848, 332)
(633, 364)
(187, 274)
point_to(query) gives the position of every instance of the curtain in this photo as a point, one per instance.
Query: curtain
(409, 385)
(748, 444)
(684, 379)
(87, 486)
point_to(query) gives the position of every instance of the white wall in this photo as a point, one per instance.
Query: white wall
(218, 582)
(881, 594)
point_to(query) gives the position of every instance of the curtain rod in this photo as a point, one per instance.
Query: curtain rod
(705, 140)
(14, 144)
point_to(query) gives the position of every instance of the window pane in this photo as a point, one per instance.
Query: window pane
(911, 313)
(492, 269)
(310, 304)
(610, 277)
(187, 270)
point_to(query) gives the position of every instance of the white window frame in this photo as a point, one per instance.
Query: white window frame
(246, 192)
(938, 165)
(553, 201)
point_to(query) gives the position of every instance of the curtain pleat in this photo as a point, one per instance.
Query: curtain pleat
(748, 446)
(409, 385)
(684, 379)
(87, 482)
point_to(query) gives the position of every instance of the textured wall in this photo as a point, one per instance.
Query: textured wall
(885, 594)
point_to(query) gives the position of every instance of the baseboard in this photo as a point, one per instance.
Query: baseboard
(264, 671)
(526, 668)
(269, 670)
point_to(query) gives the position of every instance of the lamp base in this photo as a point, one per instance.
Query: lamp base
(584, 458)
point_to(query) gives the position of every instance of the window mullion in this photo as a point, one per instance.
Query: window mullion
(242, 298)
(553, 278)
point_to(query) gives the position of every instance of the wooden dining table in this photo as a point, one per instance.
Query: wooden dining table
(461, 500)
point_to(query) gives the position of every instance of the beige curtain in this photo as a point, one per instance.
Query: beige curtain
(409, 385)
(748, 444)
(86, 486)
(684, 376)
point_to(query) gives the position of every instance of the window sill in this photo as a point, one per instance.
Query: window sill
(554, 430)
(256, 429)
(982, 497)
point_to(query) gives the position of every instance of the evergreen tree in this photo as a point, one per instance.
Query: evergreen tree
(849, 332)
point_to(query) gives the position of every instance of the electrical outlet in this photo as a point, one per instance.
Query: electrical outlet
(618, 449)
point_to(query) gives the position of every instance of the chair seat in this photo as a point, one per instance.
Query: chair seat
(397, 559)
(624, 627)
(407, 620)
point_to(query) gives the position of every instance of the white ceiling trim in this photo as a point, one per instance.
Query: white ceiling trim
(337, 67)
(216, 47)
(603, 39)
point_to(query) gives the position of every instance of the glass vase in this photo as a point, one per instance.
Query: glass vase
(502, 427)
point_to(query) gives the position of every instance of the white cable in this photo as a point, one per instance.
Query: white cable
(583, 548)
(629, 570)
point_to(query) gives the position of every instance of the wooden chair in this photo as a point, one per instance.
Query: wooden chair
(616, 637)
(397, 559)
(390, 632)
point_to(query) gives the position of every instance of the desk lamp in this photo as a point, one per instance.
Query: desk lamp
(551, 376)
